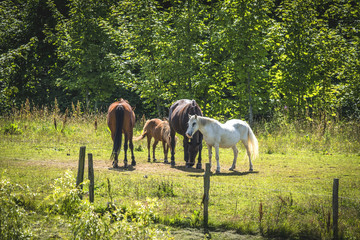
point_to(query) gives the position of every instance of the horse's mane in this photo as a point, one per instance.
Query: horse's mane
(194, 108)
(205, 120)
(123, 100)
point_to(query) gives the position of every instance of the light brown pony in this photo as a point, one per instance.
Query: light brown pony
(121, 119)
(160, 131)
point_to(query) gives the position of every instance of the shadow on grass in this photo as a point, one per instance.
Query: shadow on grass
(232, 173)
(187, 169)
(122, 169)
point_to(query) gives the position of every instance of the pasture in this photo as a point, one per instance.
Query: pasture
(288, 195)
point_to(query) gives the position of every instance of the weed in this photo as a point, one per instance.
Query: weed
(65, 198)
(13, 216)
(164, 188)
(12, 129)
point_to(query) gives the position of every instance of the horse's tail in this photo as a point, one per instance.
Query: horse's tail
(143, 134)
(144, 131)
(119, 115)
(253, 144)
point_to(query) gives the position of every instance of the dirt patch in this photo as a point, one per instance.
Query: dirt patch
(196, 234)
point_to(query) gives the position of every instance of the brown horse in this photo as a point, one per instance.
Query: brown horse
(160, 131)
(178, 118)
(121, 119)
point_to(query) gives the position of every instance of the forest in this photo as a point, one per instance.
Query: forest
(291, 68)
(237, 59)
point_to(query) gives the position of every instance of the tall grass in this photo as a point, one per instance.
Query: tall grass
(283, 135)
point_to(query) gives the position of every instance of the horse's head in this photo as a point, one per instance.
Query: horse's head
(193, 126)
(194, 146)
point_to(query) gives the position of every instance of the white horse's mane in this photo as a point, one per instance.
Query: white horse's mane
(204, 120)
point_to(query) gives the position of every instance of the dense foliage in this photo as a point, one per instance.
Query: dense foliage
(240, 58)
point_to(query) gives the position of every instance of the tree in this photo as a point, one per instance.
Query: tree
(310, 57)
(82, 49)
(25, 57)
(240, 32)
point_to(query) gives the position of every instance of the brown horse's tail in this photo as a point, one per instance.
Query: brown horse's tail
(144, 132)
(119, 114)
(141, 136)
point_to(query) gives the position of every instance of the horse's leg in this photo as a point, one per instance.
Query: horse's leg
(186, 151)
(148, 146)
(131, 145)
(249, 155)
(198, 166)
(166, 150)
(217, 158)
(116, 154)
(125, 150)
(115, 162)
(172, 142)
(154, 147)
(236, 151)
(209, 153)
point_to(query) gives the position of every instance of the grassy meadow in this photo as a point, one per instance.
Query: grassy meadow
(289, 194)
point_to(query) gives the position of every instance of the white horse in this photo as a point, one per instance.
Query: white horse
(225, 135)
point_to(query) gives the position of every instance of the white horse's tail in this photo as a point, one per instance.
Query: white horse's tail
(253, 144)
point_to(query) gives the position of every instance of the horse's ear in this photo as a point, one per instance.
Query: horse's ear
(196, 116)
(189, 116)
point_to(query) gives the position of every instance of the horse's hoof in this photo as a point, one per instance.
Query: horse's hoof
(133, 163)
(166, 161)
(154, 160)
(198, 166)
(231, 169)
(149, 160)
(217, 171)
(251, 170)
(173, 163)
(115, 165)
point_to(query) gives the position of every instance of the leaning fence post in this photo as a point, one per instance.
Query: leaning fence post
(91, 177)
(335, 203)
(80, 175)
(206, 193)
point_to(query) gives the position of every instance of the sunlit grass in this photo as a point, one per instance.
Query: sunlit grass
(291, 182)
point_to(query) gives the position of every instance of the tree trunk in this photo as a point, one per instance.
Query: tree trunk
(250, 101)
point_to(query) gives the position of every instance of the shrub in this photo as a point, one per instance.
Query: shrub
(89, 225)
(12, 129)
(13, 218)
(65, 198)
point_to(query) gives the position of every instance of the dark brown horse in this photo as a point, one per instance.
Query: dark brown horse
(178, 118)
(121, 119)
(160, 131)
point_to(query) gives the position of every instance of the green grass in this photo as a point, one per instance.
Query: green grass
(291, 187)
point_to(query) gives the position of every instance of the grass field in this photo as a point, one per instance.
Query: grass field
(289, 194)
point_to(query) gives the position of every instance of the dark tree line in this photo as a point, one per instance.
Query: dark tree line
(244, 59)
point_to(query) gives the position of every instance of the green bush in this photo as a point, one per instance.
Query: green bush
(13, 217)
(65, 198)
(12, 129)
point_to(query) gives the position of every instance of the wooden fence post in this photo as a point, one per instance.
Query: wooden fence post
(91, 177)
(335, 203)
(80, 175)
(206, 194)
